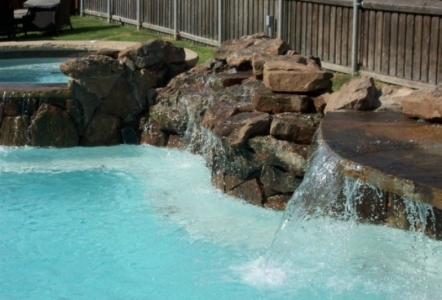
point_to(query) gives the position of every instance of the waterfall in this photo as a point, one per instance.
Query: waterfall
(325, 249)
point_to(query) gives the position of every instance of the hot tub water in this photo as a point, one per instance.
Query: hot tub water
(32, 70)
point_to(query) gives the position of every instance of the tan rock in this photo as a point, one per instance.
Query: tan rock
(103, 130)
(120, 101)
(424, 105)
(280, 76)
(53, 127)
(14, 131)
(277, 202)
(289, 156)
(236, 130)
(92, 66)
(274, 103)
(249, 191)
(220, 110)
(392, 96)
(297, 128)
(279, 180)
(357, 94)
(259, 60)
(239, 52)
(152, 135)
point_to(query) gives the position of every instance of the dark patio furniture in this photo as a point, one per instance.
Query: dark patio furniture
(6, 19)
(47, 15)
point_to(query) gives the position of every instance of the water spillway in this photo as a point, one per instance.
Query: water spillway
(394, 161)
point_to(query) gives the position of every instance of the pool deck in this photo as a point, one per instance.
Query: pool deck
(389, 151)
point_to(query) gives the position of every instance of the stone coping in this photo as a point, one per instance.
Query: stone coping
(388, 151)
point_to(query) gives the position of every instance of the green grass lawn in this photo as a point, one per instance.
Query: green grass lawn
(89, 28)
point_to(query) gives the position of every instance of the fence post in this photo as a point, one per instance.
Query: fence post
(175, 20)
(354, 39)
(81, 8)
(138, 14)
(220, 22)
(279, 24)
(109, 11)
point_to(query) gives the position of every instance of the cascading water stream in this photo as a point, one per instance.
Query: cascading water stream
(325, 250)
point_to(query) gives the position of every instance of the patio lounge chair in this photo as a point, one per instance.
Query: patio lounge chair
(47, 15)
(6, 19)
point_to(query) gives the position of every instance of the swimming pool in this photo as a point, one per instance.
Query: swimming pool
(132, 222)
(32, 70)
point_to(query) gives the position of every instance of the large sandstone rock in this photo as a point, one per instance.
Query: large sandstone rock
(152, 55)
(120, 101)
(152, 135)
(297, 128)
(283, 76)
(103, 130)
(239, 52)
(392, 96)
(53, 127)
(89, 101)
(220, 110)
(14, 131)
(274, 103)
(358, 94)
(170, 113)
(259, 60)
(288, 156)
(236, 130)
(424, 105)
(92, 66)
(142, 81)
(249, 191)
(277, 202)
(277, 180)
(237, 162)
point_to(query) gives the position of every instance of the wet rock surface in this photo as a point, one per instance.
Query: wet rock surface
(397, 164)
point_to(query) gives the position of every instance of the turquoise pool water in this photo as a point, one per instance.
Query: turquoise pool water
(132, 222)
(32, 70)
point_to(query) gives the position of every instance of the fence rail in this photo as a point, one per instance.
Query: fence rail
(398, 43)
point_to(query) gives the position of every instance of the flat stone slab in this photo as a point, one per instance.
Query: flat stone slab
(389, 151)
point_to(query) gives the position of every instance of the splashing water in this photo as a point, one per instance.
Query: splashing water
(323, 251)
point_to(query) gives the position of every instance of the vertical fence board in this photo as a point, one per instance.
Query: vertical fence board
(346, 21)
(320, 39)
(385, 43)
(409, 42)
(401, 42)
(339, 36)
(326, 39)
(378, 42)
(425, 55)
(394, 30)
(439, 55)
(332, 50)
(417, 50)
(303, 27)
(433, 59)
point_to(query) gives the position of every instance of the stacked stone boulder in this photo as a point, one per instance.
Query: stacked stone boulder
(251, 111)
(108, 92)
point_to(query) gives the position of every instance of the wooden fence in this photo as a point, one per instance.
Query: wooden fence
(397, 43)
